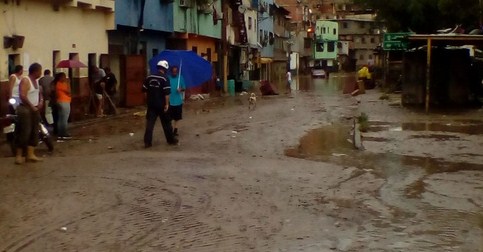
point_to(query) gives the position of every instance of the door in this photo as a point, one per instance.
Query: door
(133, 69)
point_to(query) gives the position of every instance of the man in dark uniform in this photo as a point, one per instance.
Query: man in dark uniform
(157, 89)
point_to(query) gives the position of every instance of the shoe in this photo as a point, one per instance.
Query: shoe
(31, 157)
(66, 137)
(174, 142)
(18, 157)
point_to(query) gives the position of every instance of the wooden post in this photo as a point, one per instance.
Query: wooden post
(428, 74)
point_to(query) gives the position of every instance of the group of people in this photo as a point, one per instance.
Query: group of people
(29, 101)
(164, 97)
(49, 97)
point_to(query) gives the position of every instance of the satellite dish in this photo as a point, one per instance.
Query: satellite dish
(242, 9)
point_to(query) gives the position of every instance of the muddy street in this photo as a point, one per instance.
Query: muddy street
(284, 177)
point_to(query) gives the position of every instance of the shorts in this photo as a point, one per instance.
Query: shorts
(176, 112)
(99, 96)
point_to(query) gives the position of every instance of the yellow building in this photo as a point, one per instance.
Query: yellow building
(49, 31)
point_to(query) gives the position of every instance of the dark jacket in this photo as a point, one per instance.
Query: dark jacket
(156, 87)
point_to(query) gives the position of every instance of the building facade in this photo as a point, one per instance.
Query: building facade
(281, 63)
(362, 36)
(326, 38)
(197, 27)
(53, 31)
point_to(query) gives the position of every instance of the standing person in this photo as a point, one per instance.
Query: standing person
(46, 82)
(99, 85)
(62, 91)
(289, 82)
(176, 97)
(157, 89)
(110, 87)
(14, 86)
(28, 115)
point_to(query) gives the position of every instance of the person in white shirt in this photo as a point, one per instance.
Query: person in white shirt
(289, 82)
(27, 127)
(14, 86)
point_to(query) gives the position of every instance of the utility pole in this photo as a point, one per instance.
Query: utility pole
(481, 14)
(224, 46)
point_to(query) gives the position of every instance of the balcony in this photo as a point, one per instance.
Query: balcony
(104, 5)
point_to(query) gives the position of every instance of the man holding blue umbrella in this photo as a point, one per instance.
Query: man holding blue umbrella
(157, 89)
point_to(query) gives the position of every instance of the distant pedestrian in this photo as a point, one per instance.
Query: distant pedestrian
(64, 98)
(27, 128)
(46, 82)
(110, 87)
(289, 82)
(14, 86)
(157, 89)
(178, 87)
(99, 86)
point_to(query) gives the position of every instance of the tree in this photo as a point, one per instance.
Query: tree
(424, 16)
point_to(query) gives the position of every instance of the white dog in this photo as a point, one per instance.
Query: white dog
(252, 101)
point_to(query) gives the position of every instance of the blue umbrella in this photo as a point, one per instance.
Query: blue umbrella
(194, 69)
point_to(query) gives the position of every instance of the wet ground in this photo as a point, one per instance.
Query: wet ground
(284, 177)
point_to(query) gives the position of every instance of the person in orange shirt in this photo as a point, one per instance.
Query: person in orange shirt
(63, 95)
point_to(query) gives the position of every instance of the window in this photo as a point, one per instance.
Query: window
(155, 52)
(319, 47)
(362, 25)
(334, 31)
(194, 49)
(249, 23)
(323, 30)
(345, 25)
(331, 46)
(339, 45)
(370, 56)
(361, 56)
(208, 52)
(373, 40)
(363, 40)
(14, 59)
(307, 42)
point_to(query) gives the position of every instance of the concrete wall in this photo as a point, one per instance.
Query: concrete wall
(194, 21)
(327, 30)
(158, 15)
(69, 30)
(451, 78)
(266, 26)
(252, 29)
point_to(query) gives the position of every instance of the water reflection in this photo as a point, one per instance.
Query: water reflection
(331, 144)
(473, 127)
(332, 86)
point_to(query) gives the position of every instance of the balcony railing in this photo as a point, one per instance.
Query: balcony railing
(105, 5)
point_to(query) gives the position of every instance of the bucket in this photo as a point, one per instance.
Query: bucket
(231, 87)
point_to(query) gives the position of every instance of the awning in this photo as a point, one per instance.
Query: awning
(265, 60)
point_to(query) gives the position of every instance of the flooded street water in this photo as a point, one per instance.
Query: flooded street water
(282, 177)
(433, 170)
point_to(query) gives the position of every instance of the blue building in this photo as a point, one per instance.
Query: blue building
(142, 29)
(266, 36)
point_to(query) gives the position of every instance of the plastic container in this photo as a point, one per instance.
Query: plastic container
(231, 87)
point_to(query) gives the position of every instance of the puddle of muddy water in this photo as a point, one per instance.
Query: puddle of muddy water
(404, 201)
(331, 144)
